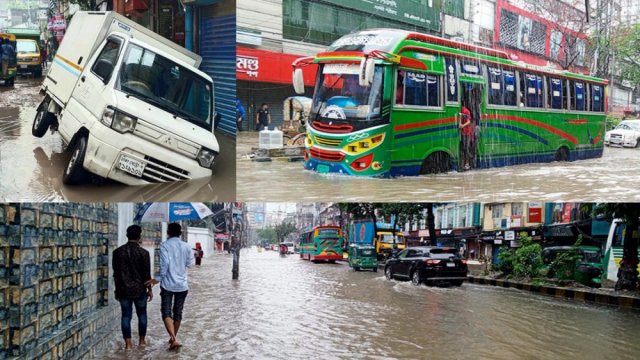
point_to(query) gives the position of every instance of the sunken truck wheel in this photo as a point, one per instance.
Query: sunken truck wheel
(74, 173)
(42, 121)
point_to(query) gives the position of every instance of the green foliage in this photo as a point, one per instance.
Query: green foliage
(564, 264)
(625, 43)
(268, 234)
(611, 122)
(524, 261)
(283, 230)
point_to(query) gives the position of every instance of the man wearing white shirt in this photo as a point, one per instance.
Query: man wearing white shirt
(175, 257)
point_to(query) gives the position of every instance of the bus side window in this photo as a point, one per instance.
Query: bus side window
(415, 88)
(565, 93)
(433, 90)
(400, 88)
(596, 98)
(534, 90)
(509, 82)
(580, 96)
(495, 86)
(555, 93)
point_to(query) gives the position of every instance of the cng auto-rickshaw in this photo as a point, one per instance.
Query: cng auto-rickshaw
(587, 270)
(10, 77)
(363, 257)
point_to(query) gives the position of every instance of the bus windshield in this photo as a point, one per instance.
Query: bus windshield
(339, 95)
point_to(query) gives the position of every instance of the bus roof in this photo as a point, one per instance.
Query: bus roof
(357, 44)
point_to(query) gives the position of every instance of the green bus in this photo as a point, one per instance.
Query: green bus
(322, 243)
(388, 103)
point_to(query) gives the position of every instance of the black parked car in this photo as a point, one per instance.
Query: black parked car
(427, 265)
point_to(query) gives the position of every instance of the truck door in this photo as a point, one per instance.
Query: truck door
(91, 91)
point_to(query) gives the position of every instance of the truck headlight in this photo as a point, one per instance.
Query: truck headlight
(118, 120)
(123, 122)
(206, 157)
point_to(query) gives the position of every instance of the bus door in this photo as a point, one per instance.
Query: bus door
(472, 98)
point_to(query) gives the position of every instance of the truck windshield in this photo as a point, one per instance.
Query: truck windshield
(167, 85)
(26, 46)
(339, 95)
(388, 239)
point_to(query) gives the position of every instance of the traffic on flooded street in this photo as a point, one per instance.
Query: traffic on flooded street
(283, 307)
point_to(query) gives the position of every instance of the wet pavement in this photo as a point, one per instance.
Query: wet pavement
(613, 177)
(31, 168)
(287, 308)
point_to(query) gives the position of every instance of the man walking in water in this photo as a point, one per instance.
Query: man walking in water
(132, 277)
(175, 257)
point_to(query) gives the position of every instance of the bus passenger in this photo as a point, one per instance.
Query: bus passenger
(467, 133)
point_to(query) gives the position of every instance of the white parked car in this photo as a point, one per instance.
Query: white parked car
(626, 134)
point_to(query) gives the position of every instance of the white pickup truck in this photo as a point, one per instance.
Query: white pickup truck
(130, 105)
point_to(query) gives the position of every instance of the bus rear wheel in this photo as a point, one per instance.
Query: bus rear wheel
(436, 163)
(562, 154)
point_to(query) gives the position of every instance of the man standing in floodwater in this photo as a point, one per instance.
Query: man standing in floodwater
(132, 277)
(175, 257)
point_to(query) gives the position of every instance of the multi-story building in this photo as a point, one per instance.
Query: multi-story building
(306, 215)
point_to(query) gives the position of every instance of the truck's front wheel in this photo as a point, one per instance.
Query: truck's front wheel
(74, 173)
(42, 121)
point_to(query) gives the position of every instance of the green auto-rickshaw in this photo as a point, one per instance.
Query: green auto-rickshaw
(363, 257)
(9, 77)
(587, 270)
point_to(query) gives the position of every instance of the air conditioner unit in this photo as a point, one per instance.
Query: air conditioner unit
(501, 223)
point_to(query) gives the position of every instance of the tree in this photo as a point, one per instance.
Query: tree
(431, 223)
(630, 215)
(625, 41)
(283, 230)
(269, 234)
(568, 21)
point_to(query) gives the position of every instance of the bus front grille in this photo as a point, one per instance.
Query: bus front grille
(326, 155)
(327, 142)
(338, 128)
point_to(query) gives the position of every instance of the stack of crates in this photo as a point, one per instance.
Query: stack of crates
(54, 279)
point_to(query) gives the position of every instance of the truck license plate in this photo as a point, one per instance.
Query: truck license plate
(130, 165)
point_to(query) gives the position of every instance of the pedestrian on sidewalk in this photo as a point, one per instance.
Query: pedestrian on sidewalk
(132, 277)
(263, 117)
(240, 114)
(175, 257)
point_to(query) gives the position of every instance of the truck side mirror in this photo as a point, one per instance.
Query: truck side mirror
(298, 81)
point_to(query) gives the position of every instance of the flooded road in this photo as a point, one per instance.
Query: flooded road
(31, 168)
(613, 177)
(287, 308)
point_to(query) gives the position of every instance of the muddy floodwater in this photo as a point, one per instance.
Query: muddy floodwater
(287, 308)
(613, 177)
(31, 168)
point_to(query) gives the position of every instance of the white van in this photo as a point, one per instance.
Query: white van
(131, 105)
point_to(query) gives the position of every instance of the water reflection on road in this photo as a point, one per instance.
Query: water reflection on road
(287, 308)
(613, 177)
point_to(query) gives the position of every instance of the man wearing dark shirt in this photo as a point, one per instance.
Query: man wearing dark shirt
(132, 277)
(263, 117)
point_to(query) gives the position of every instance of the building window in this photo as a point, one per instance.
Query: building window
(463, 216)
(517, 209)
(497, 211)
(450, 217)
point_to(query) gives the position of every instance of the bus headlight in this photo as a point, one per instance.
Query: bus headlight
(206, 157)
(363, 145)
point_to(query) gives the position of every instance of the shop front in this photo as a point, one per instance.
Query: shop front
(265, 77)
